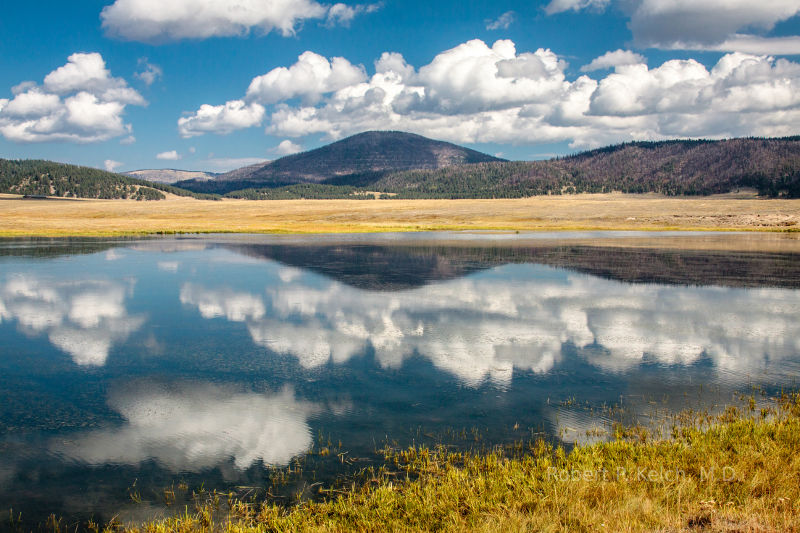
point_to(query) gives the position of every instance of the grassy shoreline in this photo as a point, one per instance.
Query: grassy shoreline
(739, 471)
(110, 218)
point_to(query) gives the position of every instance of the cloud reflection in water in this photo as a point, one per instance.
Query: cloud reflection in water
(195, 426)
(483, 327)
(82, 318)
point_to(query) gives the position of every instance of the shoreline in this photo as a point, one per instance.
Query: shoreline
(683, 240)
(705, 472)
(587, 212)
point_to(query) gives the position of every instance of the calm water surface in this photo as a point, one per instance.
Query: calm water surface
(131, 366)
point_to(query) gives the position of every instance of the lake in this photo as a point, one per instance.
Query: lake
(135, 372)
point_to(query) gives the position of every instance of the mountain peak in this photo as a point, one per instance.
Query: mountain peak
(356, 160)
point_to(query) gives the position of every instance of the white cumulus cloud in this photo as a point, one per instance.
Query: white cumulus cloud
(708, 25)
(309, 78)
(171, 155)
(738, 84)
(617, 58)
(691, 24)
(222, 119)
(754, 44)
(111, 165)
(79, 102)
(474, 77)
(287, 147)
(476, 93)
(33, 102)
(87, 73)
(155, 22)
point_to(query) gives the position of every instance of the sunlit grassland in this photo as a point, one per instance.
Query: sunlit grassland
(738, 471)
(60, 217)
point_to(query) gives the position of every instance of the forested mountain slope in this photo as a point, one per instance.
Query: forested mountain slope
(47, 178)
(772, 166)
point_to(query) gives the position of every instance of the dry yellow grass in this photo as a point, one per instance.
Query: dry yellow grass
(60, 217)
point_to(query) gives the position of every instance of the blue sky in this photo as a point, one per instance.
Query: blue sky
(215, 84)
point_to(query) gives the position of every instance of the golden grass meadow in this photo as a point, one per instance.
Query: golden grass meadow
(61, 217)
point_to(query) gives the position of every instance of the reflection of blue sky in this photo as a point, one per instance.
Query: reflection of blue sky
(82, 318)
(195, 426)
(513, 317)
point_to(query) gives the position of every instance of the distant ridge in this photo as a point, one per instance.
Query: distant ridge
(170, 175)
(354, 161)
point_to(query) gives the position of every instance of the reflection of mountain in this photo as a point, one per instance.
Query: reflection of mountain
(377, 267)
(195, 426)
(679, 267)
(516, 317)
(83, 318)
(388, 267)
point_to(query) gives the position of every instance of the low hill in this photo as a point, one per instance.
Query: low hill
(170, 175)
(47, 178)
(354, 161)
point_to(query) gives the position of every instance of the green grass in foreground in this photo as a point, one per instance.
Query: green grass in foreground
(739, 471)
